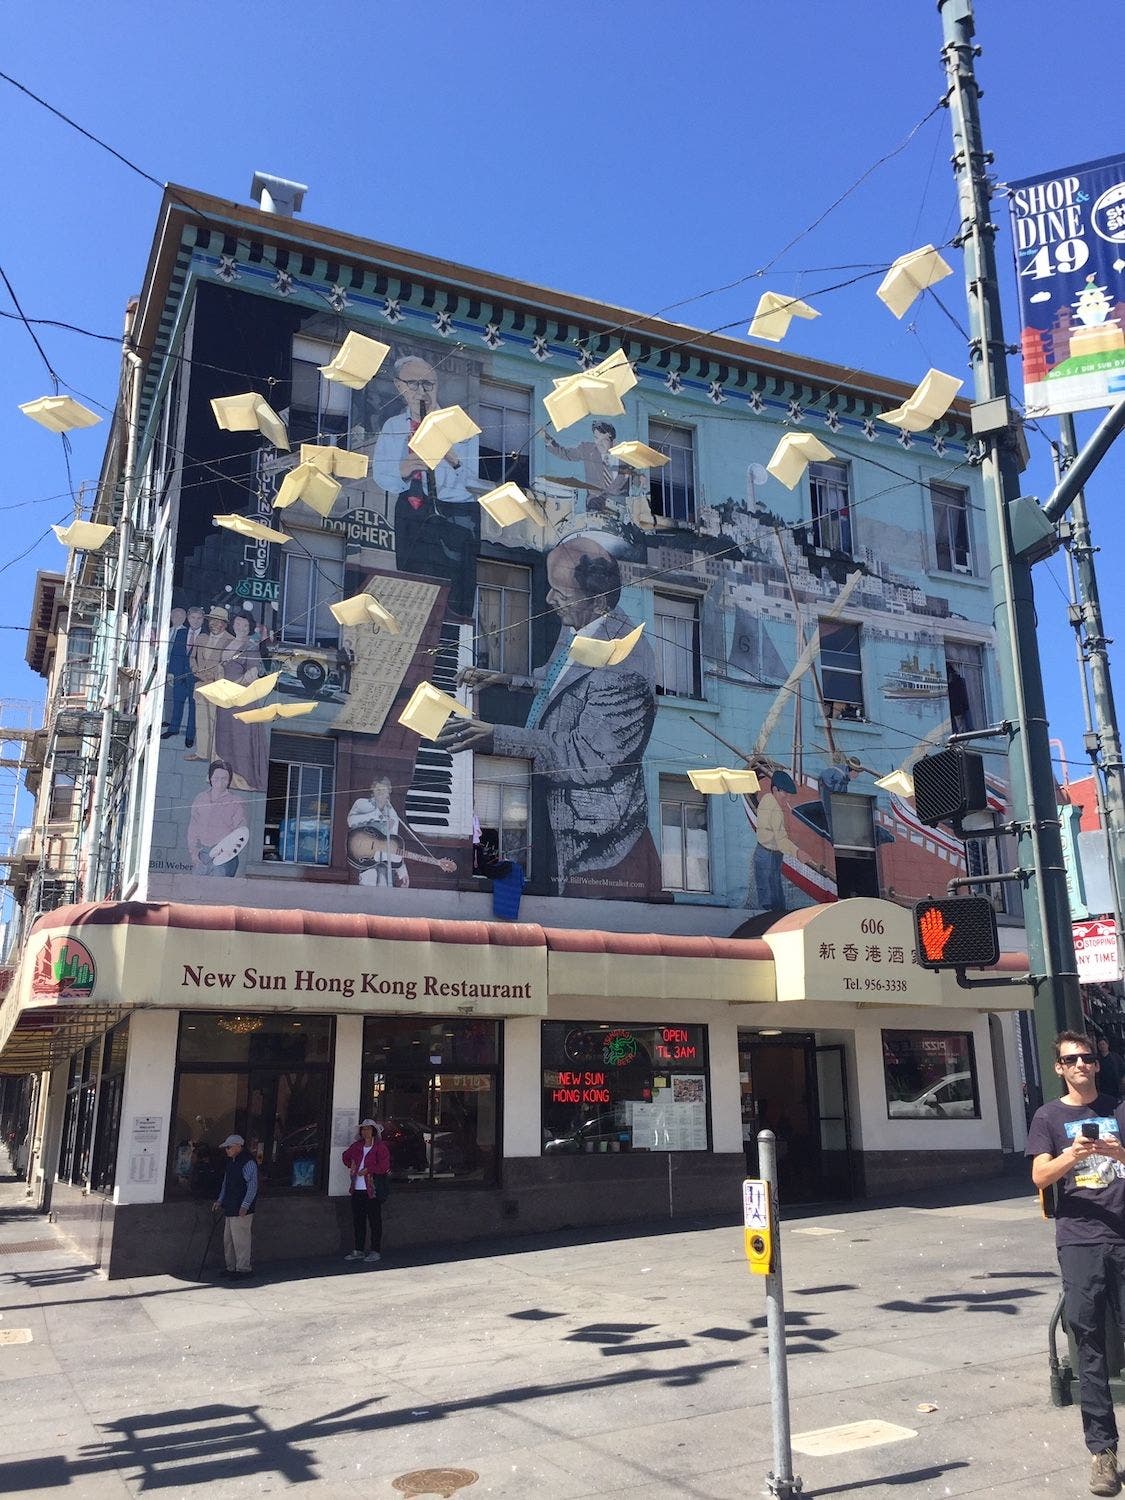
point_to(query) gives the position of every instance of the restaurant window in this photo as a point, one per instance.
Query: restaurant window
(930, 1075)
(672, 485)
(110, 1092)
(78, 1119)
(299, 787)
(679, 670)
(318, 408)
(433, 1086)
(266, 1078)
(502, 807)
(949, 505)
(685, 856)
(851, 825)
(503, 629)
(830, 497)
(504, 414)
(611, 1087)
(841, 669)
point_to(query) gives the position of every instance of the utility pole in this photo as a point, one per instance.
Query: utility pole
(1035, 821)
(1103, 742)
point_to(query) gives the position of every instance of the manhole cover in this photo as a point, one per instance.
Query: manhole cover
(25, 1247)
(434, 1481)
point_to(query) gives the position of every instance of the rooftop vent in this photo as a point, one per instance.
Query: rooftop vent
(276, 195)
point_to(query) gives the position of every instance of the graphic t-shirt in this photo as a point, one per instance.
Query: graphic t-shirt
(1091, 1199)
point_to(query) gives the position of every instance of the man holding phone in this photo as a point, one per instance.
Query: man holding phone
(1075, 1146)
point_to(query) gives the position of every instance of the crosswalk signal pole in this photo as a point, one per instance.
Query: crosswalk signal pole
(763, 1252)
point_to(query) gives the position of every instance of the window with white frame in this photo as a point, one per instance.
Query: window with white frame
(312, 578)
(830, 496)
(964, 678)
(953, 551)
(685, 851)
(841, 669)
(504, 417)
(675, 639)
(503, 624)
(502, 807)
(672, 486)
(299, 795)
(318, 409)
(851, 826)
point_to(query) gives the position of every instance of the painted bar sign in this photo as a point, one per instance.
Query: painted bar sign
(1068, 233)
(1095, 947)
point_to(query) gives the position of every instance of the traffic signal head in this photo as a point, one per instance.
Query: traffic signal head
(958, 932)
(949, 785)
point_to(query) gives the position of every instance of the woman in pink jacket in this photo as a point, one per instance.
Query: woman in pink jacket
(369, 1161)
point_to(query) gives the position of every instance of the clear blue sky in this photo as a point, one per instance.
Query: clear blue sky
(640, 151)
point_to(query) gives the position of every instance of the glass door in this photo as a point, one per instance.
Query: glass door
(798, 1090)
(835, 1129)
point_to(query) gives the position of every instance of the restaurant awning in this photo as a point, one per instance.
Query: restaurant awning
(84, 966)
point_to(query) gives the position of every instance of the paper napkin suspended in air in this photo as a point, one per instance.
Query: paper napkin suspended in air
(248, 413)
(338, 461)
(437, 432)
(428, 710)
(273, 711)
(639, 455)
(774, 314)
(793, 455)
(713, 783)
(356, 361)
(901, 783)
(308, 483)
(59, 413)
(84, 536)
(592, 651)
(224, 694)
(909, 276)
(245, 527)
(930, 401)
(363, 609)
(508, 505)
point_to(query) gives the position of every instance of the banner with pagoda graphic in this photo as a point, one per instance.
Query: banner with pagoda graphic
(1068, 234)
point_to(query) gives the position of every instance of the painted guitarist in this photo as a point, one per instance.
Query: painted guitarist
(375, 844)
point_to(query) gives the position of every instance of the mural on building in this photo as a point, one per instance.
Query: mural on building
(771, 631)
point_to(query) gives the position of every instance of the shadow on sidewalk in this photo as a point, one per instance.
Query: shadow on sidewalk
(204, 1444)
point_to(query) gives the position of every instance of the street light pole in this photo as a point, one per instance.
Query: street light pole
(1035, 821)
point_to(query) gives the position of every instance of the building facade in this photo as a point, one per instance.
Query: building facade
(625, 1009)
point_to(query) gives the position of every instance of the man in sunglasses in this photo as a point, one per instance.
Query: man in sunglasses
(1075, 1147)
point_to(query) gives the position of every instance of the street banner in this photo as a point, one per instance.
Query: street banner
(1095, 947)
(1068, 233)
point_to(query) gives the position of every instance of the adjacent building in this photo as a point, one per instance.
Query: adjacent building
(570, 986)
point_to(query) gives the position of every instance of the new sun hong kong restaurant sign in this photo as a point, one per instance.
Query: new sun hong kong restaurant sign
(312, 982)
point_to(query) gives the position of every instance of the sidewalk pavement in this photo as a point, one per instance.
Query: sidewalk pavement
(563, 1366)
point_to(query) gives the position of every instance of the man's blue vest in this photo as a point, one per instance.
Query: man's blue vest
(234, 1185)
